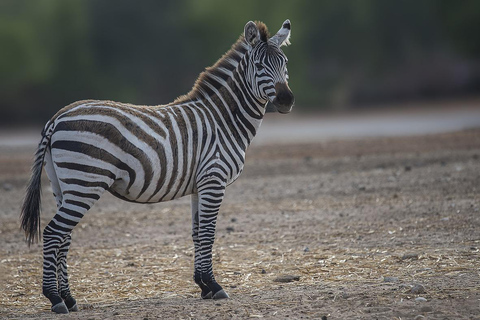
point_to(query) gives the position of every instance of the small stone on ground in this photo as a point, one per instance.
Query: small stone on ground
(286, 278)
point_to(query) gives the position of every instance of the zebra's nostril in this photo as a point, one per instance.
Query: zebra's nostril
(285, 98)
(283, 93)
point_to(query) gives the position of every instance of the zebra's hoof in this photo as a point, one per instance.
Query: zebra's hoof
(71, 303)
(74, 308)
(220, 295)
(60, 308)
(207, 296)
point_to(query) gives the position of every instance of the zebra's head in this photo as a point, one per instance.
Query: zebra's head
(267, 65)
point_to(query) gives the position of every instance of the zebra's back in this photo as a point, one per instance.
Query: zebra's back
(139, 153)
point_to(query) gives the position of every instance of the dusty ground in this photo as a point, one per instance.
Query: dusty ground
(360, 222)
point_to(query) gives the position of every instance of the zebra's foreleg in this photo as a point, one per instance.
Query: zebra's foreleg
(197, 274)
(62, 275)
(209, 200)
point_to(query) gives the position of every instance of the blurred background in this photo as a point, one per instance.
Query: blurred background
(345, 55)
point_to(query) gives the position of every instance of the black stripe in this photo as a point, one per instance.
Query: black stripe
(230, 155)
(263, 82)
(220, 74)
(76, 203)
(216, 206)
(86, 168)
(93, 196)
(87, 184)
(213, 194)
(174, 146)
(247, 124)
(56, 227)
(215, 188)
(182, 124)
(65, 221)
(195, 142)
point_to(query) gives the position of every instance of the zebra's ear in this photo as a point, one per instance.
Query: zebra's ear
(282, 38)
(251, 33)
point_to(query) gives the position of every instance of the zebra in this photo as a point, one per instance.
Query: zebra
(193, 146)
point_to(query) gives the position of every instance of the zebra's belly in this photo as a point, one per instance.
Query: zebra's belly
(155, 192)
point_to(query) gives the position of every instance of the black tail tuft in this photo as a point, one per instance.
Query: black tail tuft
(30, 216)
(31, 206)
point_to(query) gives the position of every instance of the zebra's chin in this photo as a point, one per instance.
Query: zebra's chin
(283, 108)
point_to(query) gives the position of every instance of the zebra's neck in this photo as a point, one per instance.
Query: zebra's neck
(223, 90)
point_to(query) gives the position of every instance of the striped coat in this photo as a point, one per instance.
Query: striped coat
(193, 146)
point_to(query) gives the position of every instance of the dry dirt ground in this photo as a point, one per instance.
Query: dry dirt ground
(380, 228)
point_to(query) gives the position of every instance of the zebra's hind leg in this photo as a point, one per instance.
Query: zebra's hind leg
(62, 275)
(56, 241)
(51, 244)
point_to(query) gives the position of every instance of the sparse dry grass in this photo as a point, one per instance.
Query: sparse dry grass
(342, 222)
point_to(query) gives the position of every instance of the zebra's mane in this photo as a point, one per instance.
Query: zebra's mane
(227, 63)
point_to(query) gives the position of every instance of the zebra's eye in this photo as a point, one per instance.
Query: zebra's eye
(259, 66)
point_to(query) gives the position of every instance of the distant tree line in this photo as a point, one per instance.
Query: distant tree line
(344, 53)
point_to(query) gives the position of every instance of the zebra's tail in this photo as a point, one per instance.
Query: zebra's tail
(30, 215)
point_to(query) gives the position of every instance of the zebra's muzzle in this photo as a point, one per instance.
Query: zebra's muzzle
(284, 98)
